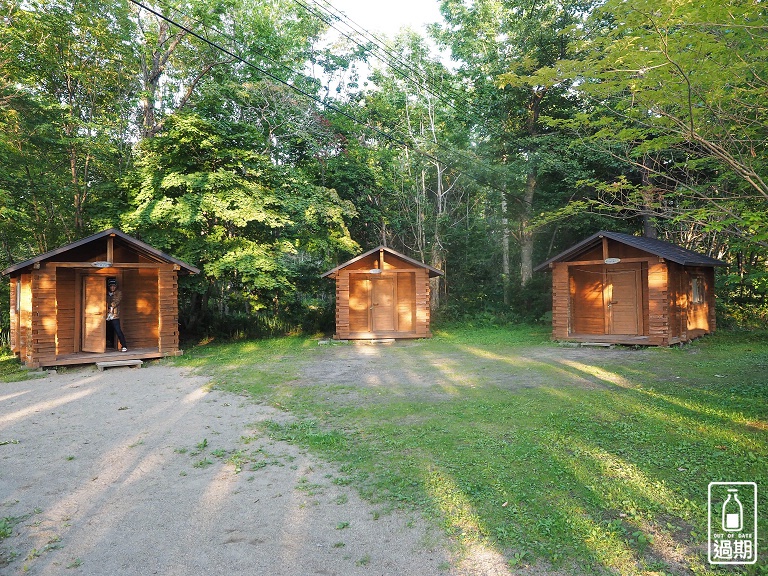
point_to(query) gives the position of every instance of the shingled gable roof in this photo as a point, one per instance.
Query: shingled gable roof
(432, 271)
(656, 247)
(138, 245)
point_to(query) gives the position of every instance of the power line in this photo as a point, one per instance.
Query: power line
(388, 136)
(334, 14)
(286, 83)
(384, 53)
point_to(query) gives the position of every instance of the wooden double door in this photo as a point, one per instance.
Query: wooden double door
(606, 300)
(381, 304)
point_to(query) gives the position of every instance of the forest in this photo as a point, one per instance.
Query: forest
(267, 141)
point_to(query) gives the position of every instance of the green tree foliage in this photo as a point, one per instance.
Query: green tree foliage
(212, 140)
(67, 118)
(678, 91)
(504, 49)
(262, 233)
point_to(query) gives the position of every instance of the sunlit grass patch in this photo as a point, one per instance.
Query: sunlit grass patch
(10, 367)
(585, 461)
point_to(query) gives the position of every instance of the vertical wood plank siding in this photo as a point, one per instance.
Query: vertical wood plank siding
(140, 309)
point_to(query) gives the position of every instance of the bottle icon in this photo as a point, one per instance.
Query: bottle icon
(733, 512)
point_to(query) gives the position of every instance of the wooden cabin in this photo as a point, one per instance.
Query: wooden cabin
(622, 289)
(58, 301)
(382, 294)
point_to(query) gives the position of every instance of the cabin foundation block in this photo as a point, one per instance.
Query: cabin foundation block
(117, 363)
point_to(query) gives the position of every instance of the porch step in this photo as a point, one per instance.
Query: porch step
(116, 363)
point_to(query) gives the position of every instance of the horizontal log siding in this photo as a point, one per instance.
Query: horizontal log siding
(658, 304)
(422, 303)
(709, 279)
(342, 305)
(168, 288)
(42, 351)
(14, 331)
(560, 301)
(66, 309)
(25, 318)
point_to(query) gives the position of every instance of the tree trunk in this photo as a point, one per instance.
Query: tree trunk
(649, 226)
(531, 181)
(505, 270)
(153, 62)
(526, 232)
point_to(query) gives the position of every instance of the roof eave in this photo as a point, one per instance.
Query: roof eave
(184, 267)
(433, 272)
(618, 237)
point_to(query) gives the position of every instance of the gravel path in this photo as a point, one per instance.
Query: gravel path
(147, 471)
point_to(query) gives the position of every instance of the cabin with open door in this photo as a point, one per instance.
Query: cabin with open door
(58, 302)
(382, 294)
(623, 289)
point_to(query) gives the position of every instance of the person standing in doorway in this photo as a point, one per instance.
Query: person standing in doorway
(114, 296)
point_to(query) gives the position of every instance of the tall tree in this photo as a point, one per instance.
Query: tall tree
(203, 192)
(678, 91)
(270, 35)
(500, 46)
(72, 67)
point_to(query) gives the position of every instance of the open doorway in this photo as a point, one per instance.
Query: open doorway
(98, 334)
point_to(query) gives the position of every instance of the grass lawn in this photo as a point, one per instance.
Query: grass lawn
(579, 460)
(10, 367)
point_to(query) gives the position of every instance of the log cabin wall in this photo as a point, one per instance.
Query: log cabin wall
(658, 303)
(382, 294)
(43, 348)
(25, 317)
(15, 295)
(709, 278)
(677, 302)
(168, 310)
(139, 309)
(561, 295)
(423, 303)
(67, 311)
(342, 305)
(700, 318)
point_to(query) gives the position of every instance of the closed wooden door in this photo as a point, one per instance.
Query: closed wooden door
(622, 302)
(359, 304)
(383, 301)
(94, 314)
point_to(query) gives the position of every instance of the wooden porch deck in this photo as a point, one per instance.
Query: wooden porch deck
(624, 339)
(110, 356)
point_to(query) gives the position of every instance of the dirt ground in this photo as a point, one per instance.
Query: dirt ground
(147, 471)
